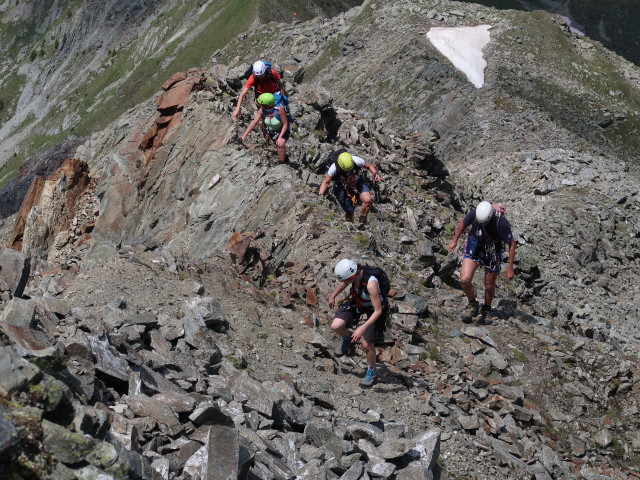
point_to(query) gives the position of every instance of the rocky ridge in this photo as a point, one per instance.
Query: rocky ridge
(188, 334)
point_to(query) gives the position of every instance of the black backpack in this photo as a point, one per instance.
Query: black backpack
(383, 279)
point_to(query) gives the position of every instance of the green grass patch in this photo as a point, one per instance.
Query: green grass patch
(9, 95)
(519, 356)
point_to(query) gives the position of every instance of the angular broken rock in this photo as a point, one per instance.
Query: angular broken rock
(14, 270)
(223, 457)
(19, 312)
(16, 373)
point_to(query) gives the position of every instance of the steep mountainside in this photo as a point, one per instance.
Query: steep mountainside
(70, 66)
(164, 305)
(615, 24)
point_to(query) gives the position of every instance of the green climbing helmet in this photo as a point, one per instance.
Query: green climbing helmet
(345, 162)
(266, 99)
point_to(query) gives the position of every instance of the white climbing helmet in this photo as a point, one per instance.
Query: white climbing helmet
(259, 68)
(484, 212)
(345, 269)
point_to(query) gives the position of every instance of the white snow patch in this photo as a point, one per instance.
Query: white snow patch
(463, 47)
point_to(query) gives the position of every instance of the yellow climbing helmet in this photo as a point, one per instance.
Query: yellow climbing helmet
(345, 162)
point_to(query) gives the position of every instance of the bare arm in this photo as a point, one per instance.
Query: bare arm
(512, 256)
(453, 244)
(285, 125)
(281, 86)
(240, 98)
(374, 171)
(325, 184)
(253, 124)
(372, 288)
(341, 286)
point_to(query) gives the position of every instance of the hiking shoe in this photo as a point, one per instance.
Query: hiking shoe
(348, 216)
(469, 312)
(487, 315)
(370, 378)
(343, 348)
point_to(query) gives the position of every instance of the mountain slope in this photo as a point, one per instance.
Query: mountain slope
(69, 66)
(185, 283)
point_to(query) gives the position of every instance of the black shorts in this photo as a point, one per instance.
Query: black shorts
(352, 316)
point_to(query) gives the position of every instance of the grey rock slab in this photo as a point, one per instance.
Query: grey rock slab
(14, 270)
(321, 434)
(253, 395)
(19, 312)
(106, 361)
(381, 469)
(144, 406)
(205, 308)
(481, 334)
(414, 473)
(66, 446)
(603, 438)
(469, 422)
(367, 431)
(227, 458)
(354, 472)
(16, 373)
(179, 403)
(210, 412)
(156, 382)
(8, 434)
(54, 305)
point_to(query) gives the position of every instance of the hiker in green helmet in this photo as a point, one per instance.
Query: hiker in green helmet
(350, 186)
(275, 123)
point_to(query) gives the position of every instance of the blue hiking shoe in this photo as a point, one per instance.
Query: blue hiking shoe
(370, 378)
(343, 348)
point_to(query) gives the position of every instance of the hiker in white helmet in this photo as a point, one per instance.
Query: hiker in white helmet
(369, 287)
(263, 79)
(490, 232)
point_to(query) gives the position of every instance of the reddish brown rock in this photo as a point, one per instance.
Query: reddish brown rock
(55, 201)
(173, 79)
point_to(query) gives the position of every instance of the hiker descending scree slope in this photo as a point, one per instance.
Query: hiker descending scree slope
(264, 79)
(350, 185)
(490, 232)
(275, 122)
(367, 296)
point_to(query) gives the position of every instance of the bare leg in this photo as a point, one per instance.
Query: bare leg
(282, 153)
(369, 352)
(489, 286)
(467, 270)
(340, 327)
(365, 199)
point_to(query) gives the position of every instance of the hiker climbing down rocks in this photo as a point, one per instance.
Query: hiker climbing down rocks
(490, 232)
(367, 296)
(264, 79)
(350, 185)
(275, 123)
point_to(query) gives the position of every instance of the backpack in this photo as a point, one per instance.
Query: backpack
(385, 286)
(282, 101)
(383, 279)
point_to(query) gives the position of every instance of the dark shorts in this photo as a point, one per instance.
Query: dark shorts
(352, 316)
(486, 255)
(274, 135)
(344, 200)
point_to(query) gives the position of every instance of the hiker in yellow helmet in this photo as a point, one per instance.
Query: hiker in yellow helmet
(350, 186)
